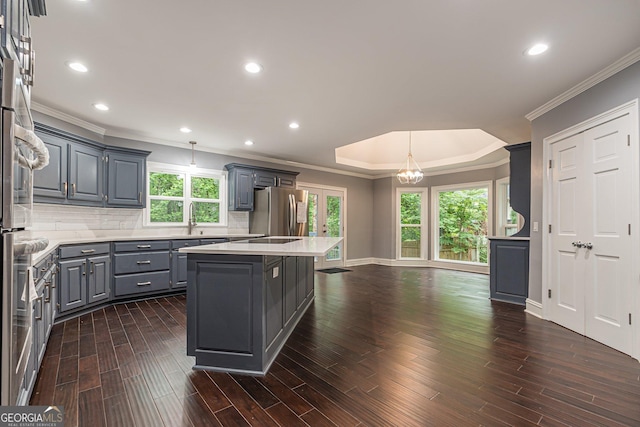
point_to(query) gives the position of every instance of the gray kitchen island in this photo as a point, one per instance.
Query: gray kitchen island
(244, 299)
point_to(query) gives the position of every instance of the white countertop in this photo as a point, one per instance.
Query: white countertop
(305, 246)
(65, 238)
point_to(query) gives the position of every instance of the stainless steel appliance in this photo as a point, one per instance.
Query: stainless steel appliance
(279, 211)
(22, 152)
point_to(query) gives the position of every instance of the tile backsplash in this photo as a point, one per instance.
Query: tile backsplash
(49, 217)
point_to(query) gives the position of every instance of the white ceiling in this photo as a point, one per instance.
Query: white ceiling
(345, 70)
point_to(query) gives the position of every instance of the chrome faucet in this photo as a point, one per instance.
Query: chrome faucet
(192, 218)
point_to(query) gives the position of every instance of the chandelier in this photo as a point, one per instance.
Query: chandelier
(411, 172)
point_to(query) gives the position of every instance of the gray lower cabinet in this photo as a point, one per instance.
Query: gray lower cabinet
(141, 267)
(85, 275)
(509, 270)
(43, 309)
(242, 308)
(179, 262)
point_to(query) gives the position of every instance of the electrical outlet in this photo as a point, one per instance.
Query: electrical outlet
(535, 226)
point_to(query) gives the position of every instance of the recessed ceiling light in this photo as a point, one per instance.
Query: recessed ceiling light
(294, 125)
(537, 49)
(253, 67)
(101, 107)
(248, 142)
(77, 66)
(185, 129)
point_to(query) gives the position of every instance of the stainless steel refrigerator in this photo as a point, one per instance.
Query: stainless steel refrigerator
(22, 153)
(279, 211)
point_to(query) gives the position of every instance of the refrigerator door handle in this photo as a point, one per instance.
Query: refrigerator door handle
(35, 144)
(30, 247)
(292, 214)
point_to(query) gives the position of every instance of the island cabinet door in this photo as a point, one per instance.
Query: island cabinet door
(273, 300)
(290, 287)
(302, 280)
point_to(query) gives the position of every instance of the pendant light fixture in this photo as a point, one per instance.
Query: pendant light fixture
(193, 154)
(411, 173)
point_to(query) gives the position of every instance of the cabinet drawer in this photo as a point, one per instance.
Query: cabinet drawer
(186, 243)
(84, 250)
(141, 262)
(141, 283)
(287, 181)
(148, 245)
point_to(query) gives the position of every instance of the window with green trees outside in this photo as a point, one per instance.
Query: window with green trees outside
(463, 224)
(411, 220)
(171, 193)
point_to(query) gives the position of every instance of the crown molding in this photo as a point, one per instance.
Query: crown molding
(612, 69)
(139, 137)
(124, 134)
(56, 114)
(450, 171)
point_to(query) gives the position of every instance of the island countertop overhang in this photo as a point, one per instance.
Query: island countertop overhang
(304, 246)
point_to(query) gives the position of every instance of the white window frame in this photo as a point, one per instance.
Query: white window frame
(435, 216)
(188, 172)
(424, 224)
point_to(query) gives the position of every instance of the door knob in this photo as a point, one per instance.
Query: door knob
(577, 244)
(587, 245)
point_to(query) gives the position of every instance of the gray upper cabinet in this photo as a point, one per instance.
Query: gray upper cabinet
(240, 188)
(87, 173)
(244, 179)
(125, 179)
(52, 181)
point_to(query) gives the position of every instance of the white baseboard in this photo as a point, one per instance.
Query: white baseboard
(534, 308)
(469, 268)
(359, 261)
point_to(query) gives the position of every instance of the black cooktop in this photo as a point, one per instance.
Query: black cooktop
(271, 240)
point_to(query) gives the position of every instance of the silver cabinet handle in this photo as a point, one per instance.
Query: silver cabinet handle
(87, 251)
(84, 268)
(143, 246)
(143, 283)
(140, 197)
(47, 291)
(41, 310)
(65, 185)
(73, 189)
(143, 262)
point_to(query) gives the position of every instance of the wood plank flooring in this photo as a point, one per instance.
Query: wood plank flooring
(380, 346)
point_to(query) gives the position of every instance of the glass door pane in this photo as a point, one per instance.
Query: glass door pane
(312, 204)
(334, 224)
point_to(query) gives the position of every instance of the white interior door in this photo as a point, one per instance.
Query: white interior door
(591, 216)
(326, 218)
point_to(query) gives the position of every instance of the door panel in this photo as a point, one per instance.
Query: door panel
(567, 298)
(608, 295)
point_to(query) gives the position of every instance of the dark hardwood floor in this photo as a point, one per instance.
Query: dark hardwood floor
(379, 346)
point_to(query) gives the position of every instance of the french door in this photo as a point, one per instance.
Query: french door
(326, 219)
(591, 280)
